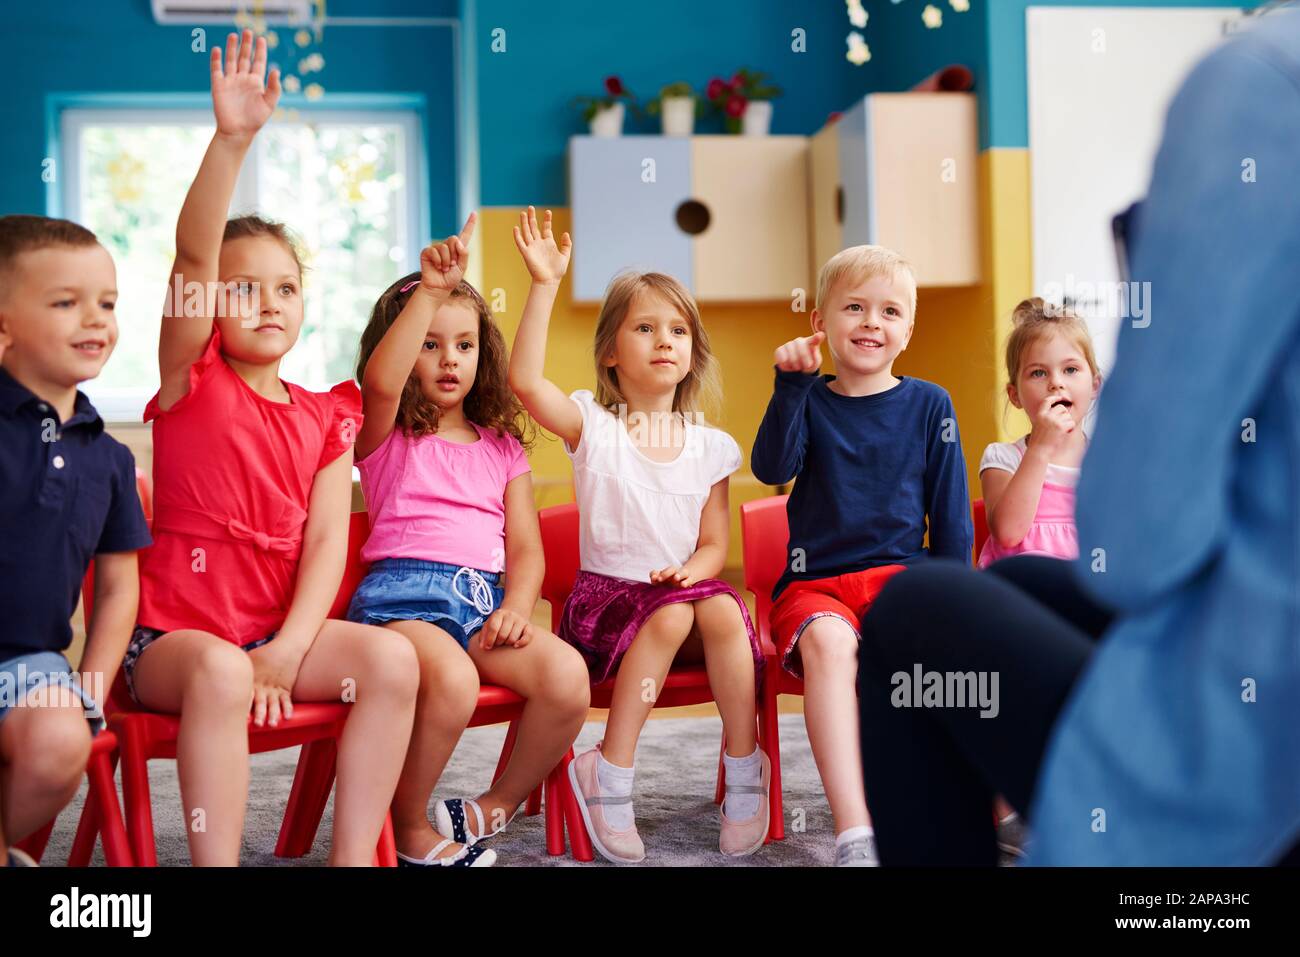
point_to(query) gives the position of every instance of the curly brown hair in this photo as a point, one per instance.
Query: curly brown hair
(490, 403)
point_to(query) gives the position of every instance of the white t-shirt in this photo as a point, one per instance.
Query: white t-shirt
(639, 515)
(1007, 456)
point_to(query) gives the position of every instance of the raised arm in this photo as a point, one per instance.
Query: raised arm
(547, 263)
(442, 266)
(777, 456)
(241, 104)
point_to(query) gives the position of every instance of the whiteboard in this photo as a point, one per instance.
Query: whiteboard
(1100, 81)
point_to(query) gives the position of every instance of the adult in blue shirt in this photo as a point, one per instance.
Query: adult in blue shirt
(1173, 742)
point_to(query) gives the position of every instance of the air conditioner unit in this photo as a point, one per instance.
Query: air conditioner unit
(224, 11)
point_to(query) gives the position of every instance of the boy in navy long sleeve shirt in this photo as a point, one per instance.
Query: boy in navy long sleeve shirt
(878, 460)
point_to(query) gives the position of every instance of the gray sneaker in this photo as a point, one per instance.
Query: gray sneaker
(1012, 835)
(859, 853)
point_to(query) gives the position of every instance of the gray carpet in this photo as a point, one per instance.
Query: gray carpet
(676, 771)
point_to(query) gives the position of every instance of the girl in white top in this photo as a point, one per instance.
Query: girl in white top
(1029, 484)
(651, 482)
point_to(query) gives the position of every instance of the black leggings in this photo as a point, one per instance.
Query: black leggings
(931, 772)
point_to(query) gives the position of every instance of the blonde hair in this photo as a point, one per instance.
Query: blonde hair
(860, 263)
(1034, 320)
(701, 390)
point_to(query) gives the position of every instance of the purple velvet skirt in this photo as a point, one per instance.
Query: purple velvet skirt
(602, 615)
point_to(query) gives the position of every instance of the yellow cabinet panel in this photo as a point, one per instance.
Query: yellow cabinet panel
(755, 191)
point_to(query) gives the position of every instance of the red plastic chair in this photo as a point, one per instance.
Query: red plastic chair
(144, 735)
(765, 533)
(99, 768)
(683, 686)
(317, 761)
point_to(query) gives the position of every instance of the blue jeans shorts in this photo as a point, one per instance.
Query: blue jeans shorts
(143, 637)
(19, 676)
(456, 599)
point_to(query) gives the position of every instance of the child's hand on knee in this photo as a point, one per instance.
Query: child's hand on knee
(505, 627)
(275, 670)
(673, 575)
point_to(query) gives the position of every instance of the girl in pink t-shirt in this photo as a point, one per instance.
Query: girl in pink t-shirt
(450, 496)
(1029, 484)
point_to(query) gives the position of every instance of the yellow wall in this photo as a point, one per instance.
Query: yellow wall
(1009, 263)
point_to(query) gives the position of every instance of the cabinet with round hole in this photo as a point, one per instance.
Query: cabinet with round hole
(727, 215)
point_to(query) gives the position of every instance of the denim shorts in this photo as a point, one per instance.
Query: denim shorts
(456, 599)
(19, 676)
(143, 637)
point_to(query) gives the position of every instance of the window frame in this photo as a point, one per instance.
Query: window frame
(68, 114)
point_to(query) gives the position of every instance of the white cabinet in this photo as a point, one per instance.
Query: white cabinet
(727, 215)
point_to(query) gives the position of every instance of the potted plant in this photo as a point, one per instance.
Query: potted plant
(745, 101)
(605, 113)
(678, 104)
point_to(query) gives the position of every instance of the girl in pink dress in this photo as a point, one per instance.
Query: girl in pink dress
(1029, 484)
(253, 481)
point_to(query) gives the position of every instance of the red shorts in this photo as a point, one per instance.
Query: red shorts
(843, 596)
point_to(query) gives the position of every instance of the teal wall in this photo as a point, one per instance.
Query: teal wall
(115, 47)
(554, 53)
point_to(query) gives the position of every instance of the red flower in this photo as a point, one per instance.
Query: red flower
(613, 86)
(737, 82)
(715, 89)
(736, 104)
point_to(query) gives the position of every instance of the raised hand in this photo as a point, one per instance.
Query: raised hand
(546, 261)
(801, 355)
(442, 265)
(241, 101)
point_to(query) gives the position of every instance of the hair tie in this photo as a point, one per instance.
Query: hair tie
(410, 285)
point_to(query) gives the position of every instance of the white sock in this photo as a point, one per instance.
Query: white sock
(615, 781)
(854, 834)
(742, 771)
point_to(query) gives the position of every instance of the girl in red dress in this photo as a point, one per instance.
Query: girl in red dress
(253, 487)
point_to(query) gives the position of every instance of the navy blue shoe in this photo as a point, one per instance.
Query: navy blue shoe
(450, 817)
(470, 856)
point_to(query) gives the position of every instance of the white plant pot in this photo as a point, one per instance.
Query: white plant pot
(757, 118)
(678, 115)
(608, 121)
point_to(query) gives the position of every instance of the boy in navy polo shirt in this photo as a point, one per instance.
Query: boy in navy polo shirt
(879, 464)
(67, 493)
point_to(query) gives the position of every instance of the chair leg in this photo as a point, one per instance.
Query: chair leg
(386, 853)
(135, 795)
(554, 811)
(104, 813)
(312, 782)
(507, 748)
(34, 843)
(83, 844)
(770, 738)
(721, 790)
(534, 805)
(579, 840)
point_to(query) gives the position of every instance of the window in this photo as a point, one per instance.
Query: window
(346, 182)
